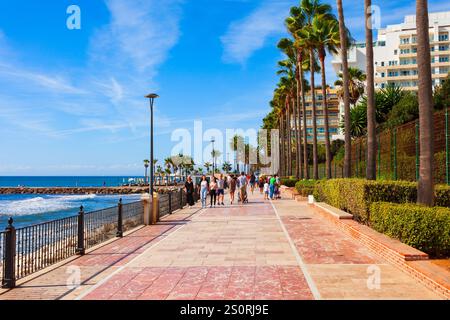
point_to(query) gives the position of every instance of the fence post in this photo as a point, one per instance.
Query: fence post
(395, 153)
(9, 275)
(119, 220)
(417, 151)
(170, 202)
(80, 247)
(447, 157)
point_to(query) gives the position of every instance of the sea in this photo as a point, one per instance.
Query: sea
(28, 209)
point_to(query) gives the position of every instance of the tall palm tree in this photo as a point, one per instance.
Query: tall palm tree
(346, 95)
(294, 23)
(425, 192)
(312, 9)
(226, 167)
(146, 165)
(371, 164)
(236, 143)
(207, 165)
(356, 78)
(325, 36)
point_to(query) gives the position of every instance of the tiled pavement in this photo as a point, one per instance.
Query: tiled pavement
(256, 251)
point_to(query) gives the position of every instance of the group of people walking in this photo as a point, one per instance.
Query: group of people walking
(214, 188)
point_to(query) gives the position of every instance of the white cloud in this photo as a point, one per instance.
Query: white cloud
(248, 35)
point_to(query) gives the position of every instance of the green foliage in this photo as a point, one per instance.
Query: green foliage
(358, 121)
(288, 182)
(406, 110)
(442, 196)
(442, 95)
(426, 229)
(305, 187)
(356, 195)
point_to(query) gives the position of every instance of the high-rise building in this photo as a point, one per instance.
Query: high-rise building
(333, 115)
(395, 53)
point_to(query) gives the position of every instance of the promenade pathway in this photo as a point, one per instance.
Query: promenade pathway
(261, 250)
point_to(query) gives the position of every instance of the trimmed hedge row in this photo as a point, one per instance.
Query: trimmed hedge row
(288, 182)
(356, 195)
(426, 229)
(305, 187)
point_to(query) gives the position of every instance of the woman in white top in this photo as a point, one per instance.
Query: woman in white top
(204, 189)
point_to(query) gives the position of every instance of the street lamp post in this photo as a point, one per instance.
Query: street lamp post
(214, 156)
(151, 97)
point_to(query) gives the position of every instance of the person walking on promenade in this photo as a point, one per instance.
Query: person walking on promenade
(272, 182)
(189, 185)
(261, 185)
(252, 182)
(220, 190)
(232, 188)
(204, 189)
(213, 191)
(242, 184)
(266, 190)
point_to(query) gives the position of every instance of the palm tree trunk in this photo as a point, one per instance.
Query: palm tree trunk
(345, 76)
(294, 108)
(313, 99)
(371, 124)
(282, 140)
(325, 115)
(289, 137)
(305, 132)
(298, 133)
(425, 192)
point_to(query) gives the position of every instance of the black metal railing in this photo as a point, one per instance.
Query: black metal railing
(26, 250)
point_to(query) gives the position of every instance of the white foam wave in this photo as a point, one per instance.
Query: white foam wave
(39, 205)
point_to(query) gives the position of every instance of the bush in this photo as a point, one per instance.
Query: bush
(305, 187)
(442, 196)
(426, 229)
(288, 182)
(356, 195)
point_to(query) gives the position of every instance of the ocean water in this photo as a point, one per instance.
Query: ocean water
(27, 209)
(65, 181)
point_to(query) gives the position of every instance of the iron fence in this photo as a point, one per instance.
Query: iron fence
(26, 250)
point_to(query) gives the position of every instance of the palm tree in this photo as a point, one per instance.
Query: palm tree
(294, 23)
(155, 161)
(425, 192)
(226, 167)
(346, 95)
(236, 143)
(325, 36)
(207, 165)
(290, 67)
(146, 165)
(312, 9)
(356, 78)
(371, 164)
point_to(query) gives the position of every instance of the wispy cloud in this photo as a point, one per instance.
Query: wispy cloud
(250, 34)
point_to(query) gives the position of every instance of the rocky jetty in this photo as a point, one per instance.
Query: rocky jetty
(61, 190)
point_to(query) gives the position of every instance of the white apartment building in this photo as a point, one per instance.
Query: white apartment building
(395, 52)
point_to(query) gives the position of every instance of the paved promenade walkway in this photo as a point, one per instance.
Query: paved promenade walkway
(261, 250)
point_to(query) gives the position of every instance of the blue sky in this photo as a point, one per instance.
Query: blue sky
(71, 101)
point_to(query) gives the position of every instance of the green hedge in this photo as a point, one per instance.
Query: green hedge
(426, 229)
(442, 196)
(288, 182)
(356, 195)
(306, 187)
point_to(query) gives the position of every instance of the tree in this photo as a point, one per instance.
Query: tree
(207, 165)
(236, 143)
(146, 165)
(227, 167)
(425, 192)
(371, 164)
(325, 36)
(345, 86)
(356, 78)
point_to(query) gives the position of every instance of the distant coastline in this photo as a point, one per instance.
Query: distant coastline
(76, 191)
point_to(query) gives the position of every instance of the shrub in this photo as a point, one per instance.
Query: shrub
(288, 182)
(426, 229)
(442, 196)
(356, 195)
(305, 187)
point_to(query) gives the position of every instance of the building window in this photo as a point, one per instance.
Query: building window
(443, 59)
(382, 63)
(395, 52)
(443, 37)
(383, 74)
